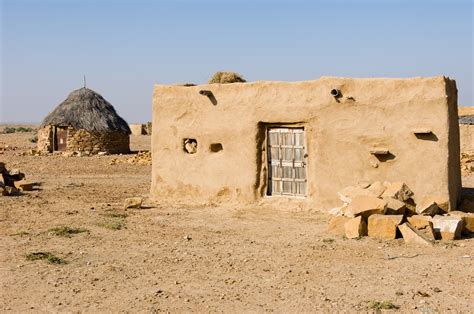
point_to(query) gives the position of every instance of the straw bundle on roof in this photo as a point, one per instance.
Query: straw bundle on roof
(226, 78)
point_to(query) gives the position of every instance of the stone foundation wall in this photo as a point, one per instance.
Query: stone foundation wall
(45, 139)
(84, 141)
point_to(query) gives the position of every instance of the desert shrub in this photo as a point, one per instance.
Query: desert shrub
(64, 231)
(226, 78)
(22, 129)
(34, 139)
(50, 258)
(8, 130)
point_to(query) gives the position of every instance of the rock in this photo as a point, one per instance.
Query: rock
(398, 191)
(447, 227)
(394, 207)
(336, 225)
(427, 206)
(10, 191)
(355, 228)
(350, 192)
(422, 224)
(133, 202)
(383, 226)
(365, 206)
(24, 185)
(468, 220)
(412, 236)
(376, 189)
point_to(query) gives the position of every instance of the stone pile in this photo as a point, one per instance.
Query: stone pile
(13, 181)
(388, 211)
(141, 158)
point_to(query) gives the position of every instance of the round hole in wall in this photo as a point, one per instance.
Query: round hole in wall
(335, 92)
(190, 145)
(215, 147)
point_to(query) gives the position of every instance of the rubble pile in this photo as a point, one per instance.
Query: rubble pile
(13, 181)
(4, 148)
(141, 158)
(388, 211)
(467, 163)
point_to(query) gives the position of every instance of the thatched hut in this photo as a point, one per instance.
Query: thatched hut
(84, 122)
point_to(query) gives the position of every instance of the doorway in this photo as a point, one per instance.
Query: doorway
(286, 156)
(60, 138)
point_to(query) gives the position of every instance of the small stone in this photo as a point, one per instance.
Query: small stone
(422, 224)
(468, 219)
(336, 225)
(133, 202)
(394, 207)
(398, 191)
(447, 227)
(383, 226)
(355, 228)
(365, 206)
(413, 236)
(427, 206)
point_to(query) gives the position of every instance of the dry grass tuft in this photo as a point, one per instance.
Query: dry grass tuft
(381, 305)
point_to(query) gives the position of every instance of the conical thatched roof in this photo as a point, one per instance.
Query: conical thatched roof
(88, 110)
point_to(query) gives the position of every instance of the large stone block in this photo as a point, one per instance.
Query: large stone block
(394, 207)
(336, 225)
(422, 224)
(447, 227)
(365, 206)
(468, 220)
(383, 226)
(355, 228)
(412, 236)
(427, 206)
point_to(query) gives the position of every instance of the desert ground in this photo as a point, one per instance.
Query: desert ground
(163, 258)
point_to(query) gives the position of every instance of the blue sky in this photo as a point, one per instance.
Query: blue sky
(124, 47)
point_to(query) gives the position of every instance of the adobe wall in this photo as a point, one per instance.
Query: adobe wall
(84, 141)
(372, 114)
(467, 138)
(137, 129)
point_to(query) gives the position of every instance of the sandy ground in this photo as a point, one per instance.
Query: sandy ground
(199, 259)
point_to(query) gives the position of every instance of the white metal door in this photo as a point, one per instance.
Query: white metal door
(286, 162)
